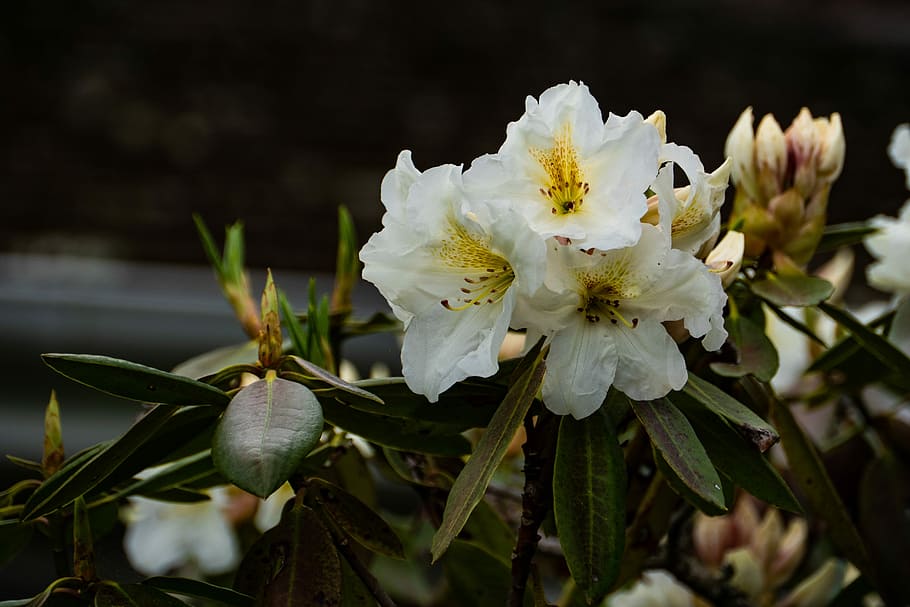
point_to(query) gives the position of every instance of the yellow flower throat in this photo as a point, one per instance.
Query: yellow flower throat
(565, 185)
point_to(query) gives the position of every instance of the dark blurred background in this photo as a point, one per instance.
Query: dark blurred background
(120, 119)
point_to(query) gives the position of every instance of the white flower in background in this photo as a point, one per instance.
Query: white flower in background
(571, 175)
(891, 248)
(452, 269)
(163, 536)
(613, 333)
(657, 588)
(899, 149)
(268, 514)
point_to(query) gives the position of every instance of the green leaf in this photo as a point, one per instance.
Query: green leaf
(213, 361)
(883, 498)
(134, 381)
(353, 592)
(71, 481)
(14, 536)
(265, 433)
(886, 352)
(83, 544)
(397, 433)
(810, 474)
(476, 577)
(735, 457)
(673, 437)
(183, 471)
(201, 590)
(467, 404)
(72, 583)
(355, 518)
(25, 464)
(843, 235)
(310, 575)
(790, 290)
(589, 502)
(316, 378)
(747, 422)
(471, 484)
(757, 354)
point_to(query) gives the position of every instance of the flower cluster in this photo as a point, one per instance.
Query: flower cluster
(573, 230)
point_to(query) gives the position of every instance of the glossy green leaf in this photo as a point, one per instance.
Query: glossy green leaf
(476, 577)
(14, 536)
(183, 471)
(789, 290)
(213, 361)
(72, 481)
(72, 583)
(757, 354)
(746, 421)
(467, 404)
(265, 433)
(886, 352)
(843, 235)
(883, 498)
(355, 518)
(134, 381)
(812, 477)
(25, 464)
(397, 433)
(83, 543)
(735, 457)
(310, 574)
(471, 484)
(201, 590)
(589, 502)
(673, 437)
(317, 378)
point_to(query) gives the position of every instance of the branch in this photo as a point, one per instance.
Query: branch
(539, 449)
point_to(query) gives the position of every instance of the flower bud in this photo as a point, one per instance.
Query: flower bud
(726, 258)
(803, 145)
(659, 120)
(767, 538)
(770, 156)
(832, 147)
(747, 572)
(819, 588)
(740, 146)
(790, 552)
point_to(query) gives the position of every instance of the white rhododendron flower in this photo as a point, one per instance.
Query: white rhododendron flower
(571, 175)
(656, 588)
(614, 333)
(548, 235)
(899, 149)
(162, 536)
(452, 269)
(891, 248)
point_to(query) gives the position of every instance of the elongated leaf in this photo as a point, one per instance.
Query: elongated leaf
(746, 421)
(42, 599)
(397, 433)
(201, 590)
(589, 502)
(467, 404)
(310, 575)
(315, 377)
(810, 473)
(756, 352)
(356, 519)
(672, 435)
(265, 433)
(213, 361)
(735, 457)
(14, 536)
(471, 484)
(181, 472)
(83, 544)
(651, 522)
(843, 235)
(889, 354)
(134, 381)
(788, 290)
(70, 482)
(884, 495)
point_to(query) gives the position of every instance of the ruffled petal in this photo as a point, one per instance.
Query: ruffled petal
(650, 364)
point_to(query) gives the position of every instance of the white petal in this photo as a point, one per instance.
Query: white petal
(580, 368)
(650, 364)
(152, 544)
(891, 247)
(442, 346)
(899, 149)
(396, 184)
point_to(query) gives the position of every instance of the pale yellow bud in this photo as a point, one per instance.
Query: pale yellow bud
(803, 143)
(770, 156)
(790, 552)
(740, 146)
(659, 120)
(767, 538)
(832, 147)
(747, 572)
(726, 258)
(820, 588)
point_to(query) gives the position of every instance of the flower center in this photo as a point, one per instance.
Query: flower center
(565, 185)
(486, 276)
(604, 294)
